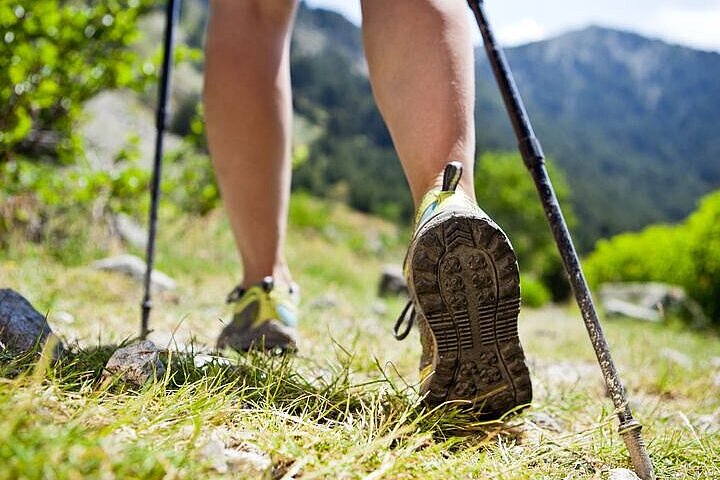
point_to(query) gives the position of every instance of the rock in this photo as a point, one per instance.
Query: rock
(130, 232)
(392, 282)
(247, 461)
(622, 474)
(571, 372)
(379, 308)
(715, 362)
(324, 302)
(708, 424)
(650, 301)
(676, 357)
(63, 317)
(116, 120)
(134, 267)
(204, 360)
(243, 460)
(616, 307)
(22, 328)
(136, 363)
(545, 421)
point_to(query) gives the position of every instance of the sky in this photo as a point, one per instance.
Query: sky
(694, 23)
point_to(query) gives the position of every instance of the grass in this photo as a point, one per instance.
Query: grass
(347, 405)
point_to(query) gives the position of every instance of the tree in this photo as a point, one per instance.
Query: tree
(507, 193)
(55, 55)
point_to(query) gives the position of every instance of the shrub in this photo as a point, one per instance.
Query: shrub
(67, 207)
(55, 55)
(507, 193)
(534, 293)
(687, 254)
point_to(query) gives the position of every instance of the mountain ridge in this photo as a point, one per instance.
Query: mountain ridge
(640, 109)
(626, 117)
(630, 120)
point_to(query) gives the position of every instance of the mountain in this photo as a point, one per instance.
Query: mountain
(631, 121)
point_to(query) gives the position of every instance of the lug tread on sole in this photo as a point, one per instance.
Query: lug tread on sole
(466, 281)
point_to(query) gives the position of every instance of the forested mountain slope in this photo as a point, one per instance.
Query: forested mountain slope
(632, 122)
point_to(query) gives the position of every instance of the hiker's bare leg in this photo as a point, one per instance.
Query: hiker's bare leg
(249, 114)
(421, 66)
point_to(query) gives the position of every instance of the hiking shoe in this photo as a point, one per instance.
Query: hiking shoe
(464, 286)
(264, 318)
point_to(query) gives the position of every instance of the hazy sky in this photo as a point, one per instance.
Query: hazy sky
(695, 23)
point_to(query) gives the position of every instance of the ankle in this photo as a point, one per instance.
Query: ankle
(280, 274)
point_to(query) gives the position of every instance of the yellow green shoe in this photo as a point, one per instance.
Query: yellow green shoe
(464, 287)
(264, 318)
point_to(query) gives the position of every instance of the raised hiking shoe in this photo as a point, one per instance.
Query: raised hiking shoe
(464, 287)
(264, 318)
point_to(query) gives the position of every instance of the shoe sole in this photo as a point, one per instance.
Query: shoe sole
(465, 281)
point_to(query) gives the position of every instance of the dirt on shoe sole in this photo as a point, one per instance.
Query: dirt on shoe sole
(465, 280)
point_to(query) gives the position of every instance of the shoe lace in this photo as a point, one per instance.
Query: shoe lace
(407, 316)
(267, 285)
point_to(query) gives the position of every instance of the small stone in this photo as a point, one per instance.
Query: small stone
(715, 362)
(63, 317)
(570, 372)
(130, 232)
(213, 451)
(324, 302)
(243, 460)
(622, 474)
(203, 360)
(134, 267)
(247, 461)
(22, 328)
(379, 308)
(676, 357)
(392, 282)
(708, 424)
(136, 363)
(545, 421)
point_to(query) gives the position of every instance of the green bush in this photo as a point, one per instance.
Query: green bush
(306, 211)
(189, 182)
(534, 293)
(59, 205)
(687, 254)
(704, 250)
(67, 208)
(506, 191)
(55, 55)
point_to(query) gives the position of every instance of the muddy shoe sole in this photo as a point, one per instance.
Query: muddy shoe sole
(465, 281)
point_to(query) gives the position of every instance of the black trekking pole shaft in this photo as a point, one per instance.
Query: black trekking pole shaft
(172, 14)
(534, 160)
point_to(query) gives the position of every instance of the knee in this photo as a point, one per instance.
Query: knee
(436, 14)
(262, 11)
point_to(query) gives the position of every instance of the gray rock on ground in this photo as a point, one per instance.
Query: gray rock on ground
(136, 363)
(134, 267)
(545, 421)
(651, 301)
(22, 328)
(243, 460)
(392, 281)
(130, 231)
(622, 474)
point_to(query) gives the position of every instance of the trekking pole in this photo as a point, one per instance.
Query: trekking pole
(534, 160)
(172, 14)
